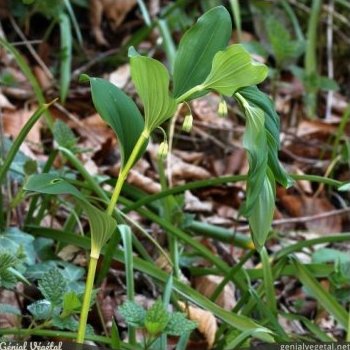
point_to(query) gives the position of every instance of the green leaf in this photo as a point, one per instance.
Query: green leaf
(261, 215)
(9, 309)
(7, 260)
(64, 136)
(133, 314)
(259, 99)
(345, 187)
(71, 304)
(254, 141)
(283, 47)
(102, 225)
(41, 310)
(65, 55)
(198, 47)
(326, 300)
(120, 112)
(327, 84)
(151, 80)
(53, 286)
(179, 324)
(156, 318)
(233, 69)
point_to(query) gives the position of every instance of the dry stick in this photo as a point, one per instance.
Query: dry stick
(302, 219)
(330, 65)
(30, 48)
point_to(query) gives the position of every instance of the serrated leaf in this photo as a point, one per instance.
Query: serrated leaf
(53, 286)
(7, 279)
(197, 48)
(71, 304)
(178, 324)
(41, 310)
(133, 314)
(283, 47)
(120, 113)
(64, 136)
(7, 260)
(259, 99)
(9, 309)
(151, 80)
(233, 69)
(156, 318)
(71, 324)
(102, 225)
(261, 215)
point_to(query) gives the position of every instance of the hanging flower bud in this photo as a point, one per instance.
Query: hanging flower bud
(163, 149)
(188, 122)
(222, 110)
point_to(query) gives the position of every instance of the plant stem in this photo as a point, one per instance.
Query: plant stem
(87, 299)
(125, 171)
(190, 92)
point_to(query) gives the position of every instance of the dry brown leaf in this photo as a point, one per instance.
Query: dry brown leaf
(207, 323)
(121, 76)
(181, 170)
(14, 122)
(115, 11)
(7, 320)
(5, 103)
(206, 285)
(194, 204)
(143, 182)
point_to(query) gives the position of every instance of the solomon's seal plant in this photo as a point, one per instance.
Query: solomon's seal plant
(203, 63)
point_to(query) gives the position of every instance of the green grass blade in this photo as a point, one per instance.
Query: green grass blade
(74, 21)
(236, 11)
(326, 300)
(20, 138)
(234, 320)
(168, 43)
(29, 75)
(268, 282)
(66, 56)
(126, 235)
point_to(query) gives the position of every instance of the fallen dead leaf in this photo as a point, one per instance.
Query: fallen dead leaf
(121, 76)
(206, 285)
(5, 103)
(194, 204)
(207, 323)
(115, 11)
(15, 120)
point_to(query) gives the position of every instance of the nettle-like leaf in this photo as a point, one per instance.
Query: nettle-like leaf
(233, 69)
(133, 314)
(198, 47)
(102, 225)
(261, 214)
(41, 309)
(120, 112)
(259, 99)
(283, 47)
(64, 136)
(151, 80)
(156, 318)
(179, 324)
(53, 286)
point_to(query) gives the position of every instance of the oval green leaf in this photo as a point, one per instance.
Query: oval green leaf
(234, 69)
(119, 112)
(261, 214)
(259, 99)
(102, 225)
(197, 48)
(151, 80)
